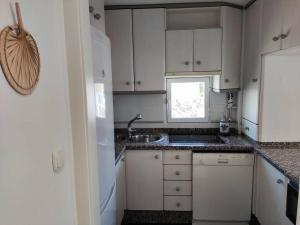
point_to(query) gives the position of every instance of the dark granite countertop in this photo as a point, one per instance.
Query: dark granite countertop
(283, 156)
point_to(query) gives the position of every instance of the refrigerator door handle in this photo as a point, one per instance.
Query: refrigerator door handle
(108, 199)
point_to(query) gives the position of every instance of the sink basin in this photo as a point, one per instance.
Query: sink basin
(146, 138)
(195, 139)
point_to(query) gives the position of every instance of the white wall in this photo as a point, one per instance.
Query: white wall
(33, 126)
(153, 109)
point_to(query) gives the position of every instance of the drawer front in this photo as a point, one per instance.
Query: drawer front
(178, 157)
(178, 172)
(178, 203)
(178, 188)
(250, 129)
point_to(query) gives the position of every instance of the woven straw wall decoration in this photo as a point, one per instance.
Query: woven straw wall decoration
(19, 57)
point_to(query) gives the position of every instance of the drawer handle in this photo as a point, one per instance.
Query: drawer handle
(156, 156)
(177, 189)
(186, 63)
(177, 173)
(279, 181)
(178, 204)
(177, 157)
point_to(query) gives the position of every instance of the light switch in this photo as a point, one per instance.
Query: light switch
(58, 161)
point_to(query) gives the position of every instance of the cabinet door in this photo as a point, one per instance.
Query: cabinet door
(231, 20)
(207, 49)
(144, 176)
(271, 188)
(291, 24)
(119, 30)
(179, 46)
(149, 49)
(271, 25)
(252, 62)
(121, 189)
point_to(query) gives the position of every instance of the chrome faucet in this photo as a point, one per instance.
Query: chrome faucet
(130, 129)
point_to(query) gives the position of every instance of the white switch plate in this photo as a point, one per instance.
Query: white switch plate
(58, 161)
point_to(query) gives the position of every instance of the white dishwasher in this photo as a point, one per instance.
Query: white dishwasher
(222, 188)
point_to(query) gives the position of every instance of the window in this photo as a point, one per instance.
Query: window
(188, 99)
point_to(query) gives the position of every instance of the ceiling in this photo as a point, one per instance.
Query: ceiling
(134, 2)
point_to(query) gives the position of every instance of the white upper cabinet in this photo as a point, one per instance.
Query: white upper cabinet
(231, 23)
(281, 27)
(149, 27)
(179, 48)
(194, 50)
(252, 62)
(291, 24)
(271, 25)
(119, 30)
(207, 49)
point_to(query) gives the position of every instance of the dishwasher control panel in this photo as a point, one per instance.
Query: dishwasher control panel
(223, 159)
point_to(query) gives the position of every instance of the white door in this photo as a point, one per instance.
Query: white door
(207, 49)
(179, 47)
(119, 30)
(270, 202)
(144, 178)
(252, 63)
(291, 24)
(271, 25)
(149, 49)
(121, 189)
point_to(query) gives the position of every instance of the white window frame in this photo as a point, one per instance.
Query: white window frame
(206, 80)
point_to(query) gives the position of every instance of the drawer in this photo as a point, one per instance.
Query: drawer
(177, 172)
(250, 129)
(177, 187)
(178, 203)
(178, 157)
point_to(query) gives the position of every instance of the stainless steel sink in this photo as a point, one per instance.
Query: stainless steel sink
(146, 138)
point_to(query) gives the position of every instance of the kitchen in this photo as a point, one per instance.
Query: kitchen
(157, 112)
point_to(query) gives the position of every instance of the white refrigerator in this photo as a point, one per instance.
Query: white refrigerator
(104, 126)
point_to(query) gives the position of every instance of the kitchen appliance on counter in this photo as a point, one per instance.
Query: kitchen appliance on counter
(104, 126)
(222, 188)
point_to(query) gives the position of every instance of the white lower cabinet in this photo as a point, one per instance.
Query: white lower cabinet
(144, 177)
(178, 180)
(270, 192)
(121, 189)
(178, 203)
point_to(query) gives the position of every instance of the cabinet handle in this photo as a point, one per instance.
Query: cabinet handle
(276, 38)
(186, 63)
(91, 9)
(177, 173)
(177, 157)
(139, 82)
(127, 83)
(254, 80)
(97, 16)
(198, 62)
(279, 181)
(103, 73)
(284, 36)
(177, 189)
(156, 156)
(226, 80)
(178, 204)
(247, 128)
